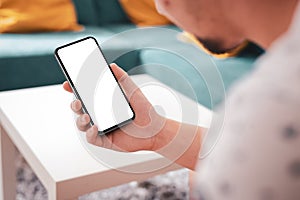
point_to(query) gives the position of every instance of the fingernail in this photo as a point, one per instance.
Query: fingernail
(83, 119)
(75, 105)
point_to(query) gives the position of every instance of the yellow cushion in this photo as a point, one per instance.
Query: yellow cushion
(143, 12)
(18, 16)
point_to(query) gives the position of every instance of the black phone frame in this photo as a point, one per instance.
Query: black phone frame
(108, 130)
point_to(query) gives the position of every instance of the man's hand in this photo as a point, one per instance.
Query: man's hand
(138, 135)
(149, 131)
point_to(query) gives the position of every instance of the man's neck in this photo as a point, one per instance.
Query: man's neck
(270, 22)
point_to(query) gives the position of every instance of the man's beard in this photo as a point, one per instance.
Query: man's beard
(214, 46)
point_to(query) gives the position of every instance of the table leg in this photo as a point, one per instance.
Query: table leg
(51, 196)
(8, 169)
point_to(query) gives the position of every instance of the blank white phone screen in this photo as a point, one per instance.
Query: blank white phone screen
(95, 84)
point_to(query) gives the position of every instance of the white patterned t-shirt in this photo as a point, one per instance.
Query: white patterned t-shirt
(258, 155)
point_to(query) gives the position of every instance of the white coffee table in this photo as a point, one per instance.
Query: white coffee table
(39, 123)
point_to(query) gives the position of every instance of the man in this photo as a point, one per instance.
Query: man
(258, 156)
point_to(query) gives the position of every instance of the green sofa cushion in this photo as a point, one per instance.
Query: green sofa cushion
(110, 12)
(16, 45)
(100, 12)
(27, 60)
(86, 12)
(182, 76)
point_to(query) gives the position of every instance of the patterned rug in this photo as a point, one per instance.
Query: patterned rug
(170, 186)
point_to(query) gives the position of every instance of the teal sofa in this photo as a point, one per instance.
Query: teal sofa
(26, 60)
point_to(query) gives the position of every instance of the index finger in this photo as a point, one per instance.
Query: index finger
(67, 86)
(125, 81)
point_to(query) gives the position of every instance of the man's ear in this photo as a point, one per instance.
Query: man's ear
(162, 6)
(166, 3)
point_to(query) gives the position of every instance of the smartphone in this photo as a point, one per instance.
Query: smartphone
(94, 84)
